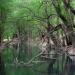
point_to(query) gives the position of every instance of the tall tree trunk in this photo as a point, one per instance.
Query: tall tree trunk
(2, 20)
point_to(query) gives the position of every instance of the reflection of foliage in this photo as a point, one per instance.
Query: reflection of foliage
(8, 55)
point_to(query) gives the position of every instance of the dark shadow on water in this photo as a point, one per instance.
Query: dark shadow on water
(72, 69)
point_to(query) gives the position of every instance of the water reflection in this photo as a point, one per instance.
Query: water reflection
(10, 54)
(14, 54)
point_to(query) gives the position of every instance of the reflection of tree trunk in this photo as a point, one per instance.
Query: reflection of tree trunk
(50, 67)
(2, 68)
(72, 68)
(66, 69)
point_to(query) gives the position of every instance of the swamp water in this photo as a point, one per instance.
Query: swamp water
(10, 54)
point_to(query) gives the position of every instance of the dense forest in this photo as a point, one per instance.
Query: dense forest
(37, 37)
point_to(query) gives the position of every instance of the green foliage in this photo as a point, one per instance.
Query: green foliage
(30, 13)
